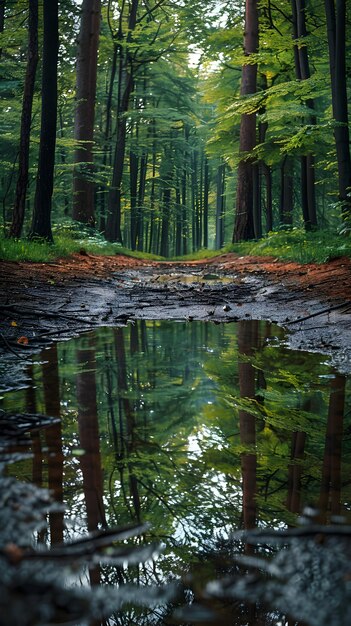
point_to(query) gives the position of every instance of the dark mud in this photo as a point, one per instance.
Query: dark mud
(38, 310)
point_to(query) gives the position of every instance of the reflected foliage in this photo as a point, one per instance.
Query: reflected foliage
(199, 430)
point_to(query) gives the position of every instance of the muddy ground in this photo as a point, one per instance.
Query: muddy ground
(41, 303)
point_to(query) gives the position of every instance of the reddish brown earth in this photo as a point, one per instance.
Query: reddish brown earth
(332, 279)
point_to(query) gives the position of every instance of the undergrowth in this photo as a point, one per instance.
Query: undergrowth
(68, 239)
(295, 245)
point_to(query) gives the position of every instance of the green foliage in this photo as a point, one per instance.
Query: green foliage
(68, 239)
(297, 245)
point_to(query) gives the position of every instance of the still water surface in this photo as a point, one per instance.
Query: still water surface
(197, 428)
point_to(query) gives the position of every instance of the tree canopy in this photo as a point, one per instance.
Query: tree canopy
(179, 125)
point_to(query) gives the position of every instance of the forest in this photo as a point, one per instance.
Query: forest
(169, 127)
(175, 313)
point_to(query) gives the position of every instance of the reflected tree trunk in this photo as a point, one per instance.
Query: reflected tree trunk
(247, 341)
(127, 413)
(31, 407)
(330, 496)
(26, 122)
(89, 436)
(298, 441)
(53, 437)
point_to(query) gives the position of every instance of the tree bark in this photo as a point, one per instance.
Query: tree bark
(205, 203)
(41, 219)
(126, 84)
(336, 29)
(244, 226)
(302, 70)
(83, 186)
(26, 122)
(220, 206)
(286, 204)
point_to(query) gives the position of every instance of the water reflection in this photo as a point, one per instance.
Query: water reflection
(199, 429)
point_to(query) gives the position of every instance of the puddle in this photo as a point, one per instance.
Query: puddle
(198, 429)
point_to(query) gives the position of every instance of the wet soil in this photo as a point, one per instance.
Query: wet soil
(43, 302)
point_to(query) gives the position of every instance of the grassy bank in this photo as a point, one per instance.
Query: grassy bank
(66, 242)
(294, 245)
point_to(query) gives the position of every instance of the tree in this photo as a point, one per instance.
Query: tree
(83, 186)
(125, 87)
(302, 69)
(336, 29)
(26, 122)
(41, 219)
(244, 220)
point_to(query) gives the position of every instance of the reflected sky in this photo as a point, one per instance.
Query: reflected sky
(200, 429)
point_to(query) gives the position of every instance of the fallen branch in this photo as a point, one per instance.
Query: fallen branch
(329, 309)
(47, 314)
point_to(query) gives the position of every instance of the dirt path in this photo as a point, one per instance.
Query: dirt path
(44, 302)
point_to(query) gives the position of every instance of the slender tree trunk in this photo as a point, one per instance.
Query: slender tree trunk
(141, 196)
(178, 234)
(107, 150)
(302, 70)
(133, 178)
(41, 220)
(125, 88)
(220, 206)
(152, 195)
(244, 226)
(336, 29)
(267, 172)
(83, 186)
(164, 247)
(286, 191)
(26, 122)
(205, 203)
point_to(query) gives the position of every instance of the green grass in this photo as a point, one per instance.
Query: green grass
(68, 240)
(297, 245)
(294, 245)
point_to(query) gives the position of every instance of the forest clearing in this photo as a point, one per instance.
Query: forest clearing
(175, 313)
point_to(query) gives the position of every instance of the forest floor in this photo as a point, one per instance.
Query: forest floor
(41, 303)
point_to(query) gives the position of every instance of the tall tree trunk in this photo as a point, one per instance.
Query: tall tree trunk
(220, 206)
(88, 43)
(107, 150)
(41, 220)
(336, 28)
(141, 196)
(178, 227)
(133, 179)
(302, 70)
(125, 88)
(26, 122)
(286, 204)
(267, 172)
(205, 202)
(244, 226)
